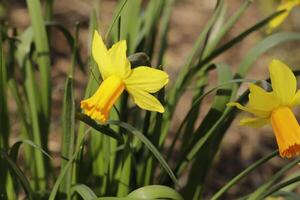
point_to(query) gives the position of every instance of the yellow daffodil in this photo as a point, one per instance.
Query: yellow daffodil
(118, 76)
(275, 108)
(286, 5)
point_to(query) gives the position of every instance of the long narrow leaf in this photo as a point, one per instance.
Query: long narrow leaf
(68, 136)
(149, 145)
(18, 174)
(243, 174)
(84, 191)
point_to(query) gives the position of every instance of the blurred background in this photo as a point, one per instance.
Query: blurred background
(242, 145)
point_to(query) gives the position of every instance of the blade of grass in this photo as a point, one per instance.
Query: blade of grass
(68, 124)
(286, 195)
(116, 17)
(218, 34)
(42, 47)
(130, 21)
(262, 47)
(93, 83)
(4, 125)
(18, 174)
(14, 150)
(163, 30)
(149, 30)
(268, 184)
(279, 186)
(39, 165)
(151, 163)
(68, 120)
(126, 172)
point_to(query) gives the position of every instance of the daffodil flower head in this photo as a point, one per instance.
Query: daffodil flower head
(275, 107)
(286, 5)
(118, 76)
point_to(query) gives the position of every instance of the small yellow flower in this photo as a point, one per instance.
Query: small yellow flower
(118, 76)
(286, 5)
(275, 108)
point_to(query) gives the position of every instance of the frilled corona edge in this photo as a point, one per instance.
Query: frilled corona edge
(287, 131)
(99, 105)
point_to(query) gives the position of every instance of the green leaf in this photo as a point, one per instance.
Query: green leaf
(71, 42)
(155, 192)
(101, 128)
(129, 24)
(115, 18)
(24, 45)
(18, 174)
(286, 195)
(84, 191)
(149, 145)
(41, 42)
(68, 136)
(14, 151)
(236, 40)
(187, 75)
(164, 28)
(181, 81)
(260, 191)
(4, 124)
(65, 170)
(243, 174)
(262, 47)
(219, 32)
(200, 169)
(31, 92)
(208, 92)
(279, 186)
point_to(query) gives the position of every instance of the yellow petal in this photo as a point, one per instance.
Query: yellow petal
(254, 122)
(120, 65)
(283, 82)
(100, 55)
(145, 100)
(287, 131)
(99, 105)
(259, 99)
(258, 113)
(286, 5)
(296, 99)
(147, 79)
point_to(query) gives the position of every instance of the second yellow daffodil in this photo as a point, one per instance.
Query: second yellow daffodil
(118, 76)
(275, 108)
(286, 5)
